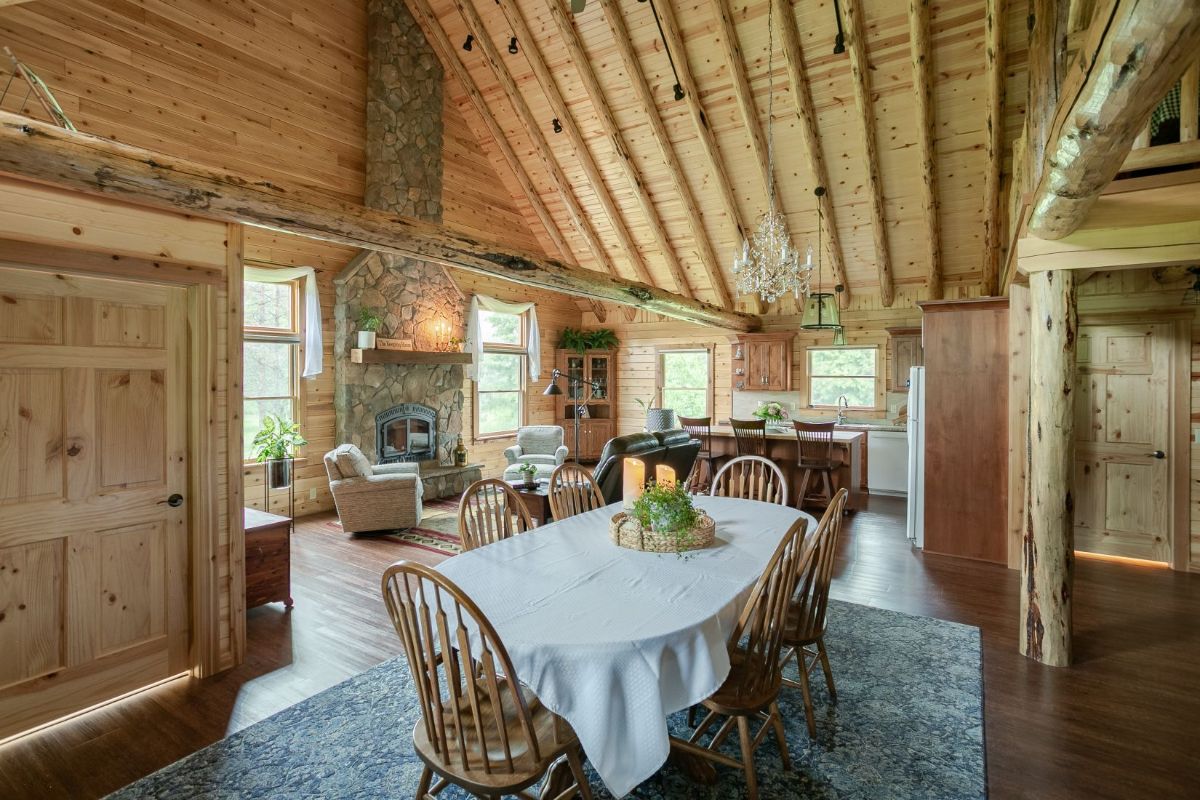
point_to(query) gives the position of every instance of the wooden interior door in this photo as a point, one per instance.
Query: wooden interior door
(1122, 434)
(93, 443)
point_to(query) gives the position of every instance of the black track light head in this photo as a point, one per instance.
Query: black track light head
(839, 44)
(512, 45)
(678, 92)
(469, 43)
(556, 125)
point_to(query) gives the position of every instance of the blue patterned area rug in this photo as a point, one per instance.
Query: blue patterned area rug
(908, 724)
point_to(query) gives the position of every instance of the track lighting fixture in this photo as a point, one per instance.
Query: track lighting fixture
(839, 41)
(678, 92)
(556, 125)
(678, 86)
(512, 45)
(469, 42)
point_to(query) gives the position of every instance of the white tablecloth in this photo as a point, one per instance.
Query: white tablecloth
(614, 640)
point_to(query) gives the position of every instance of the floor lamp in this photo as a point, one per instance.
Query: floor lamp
(575, 384)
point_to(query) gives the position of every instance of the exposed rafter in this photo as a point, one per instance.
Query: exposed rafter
(95, 165)
(856, 45)
(570, 39)
(528, 123)
(446, 52)
(704, 132)
(922, 54)
(1132, 56)
(993, 202)
(1047, 65)
(802, 96)
(583, 155)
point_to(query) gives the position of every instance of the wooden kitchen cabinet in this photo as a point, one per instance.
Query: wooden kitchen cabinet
(762, 362)
(907, 353)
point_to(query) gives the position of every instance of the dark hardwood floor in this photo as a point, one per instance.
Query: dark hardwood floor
(1121, 723)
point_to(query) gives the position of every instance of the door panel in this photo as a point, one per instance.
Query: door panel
(93, 561)
(1122, 416)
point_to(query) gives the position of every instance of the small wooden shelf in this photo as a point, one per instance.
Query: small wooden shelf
(407, 357)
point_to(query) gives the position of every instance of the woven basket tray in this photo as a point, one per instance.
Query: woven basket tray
(626, 531)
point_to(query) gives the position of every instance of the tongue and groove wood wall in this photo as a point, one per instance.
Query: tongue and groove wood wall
(270, 88)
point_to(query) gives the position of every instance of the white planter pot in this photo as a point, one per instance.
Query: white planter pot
(366, 340)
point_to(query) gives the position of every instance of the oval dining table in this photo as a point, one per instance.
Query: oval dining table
(613, 640)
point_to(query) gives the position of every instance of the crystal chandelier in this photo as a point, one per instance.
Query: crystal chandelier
(769, 265)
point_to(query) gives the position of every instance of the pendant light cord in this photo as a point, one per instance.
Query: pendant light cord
(771, 106)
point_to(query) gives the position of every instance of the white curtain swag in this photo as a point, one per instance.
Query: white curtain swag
(475, 343)
(313, 360)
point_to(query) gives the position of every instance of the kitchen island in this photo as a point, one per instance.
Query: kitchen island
(782, 449)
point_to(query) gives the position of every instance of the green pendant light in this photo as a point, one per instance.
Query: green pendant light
(821, 310)
(839, 336)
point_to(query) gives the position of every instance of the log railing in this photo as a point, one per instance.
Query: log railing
(1176, 150)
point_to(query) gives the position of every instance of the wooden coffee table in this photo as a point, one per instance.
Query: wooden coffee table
(537, 501)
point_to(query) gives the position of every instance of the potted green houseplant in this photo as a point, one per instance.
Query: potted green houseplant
(771, 411)
(657, 419)
(369, 323)
(528, 474)
(664, 520)
(277, 443)
(581, 341)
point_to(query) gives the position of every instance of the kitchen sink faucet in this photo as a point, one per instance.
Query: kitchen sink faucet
(843, 405)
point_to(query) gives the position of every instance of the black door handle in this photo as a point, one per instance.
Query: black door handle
(1157, 454)
(175, 500)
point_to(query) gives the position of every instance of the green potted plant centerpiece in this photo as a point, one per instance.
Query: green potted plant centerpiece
(369, 323)
(277, 443)
(663, 520)
(528, 473)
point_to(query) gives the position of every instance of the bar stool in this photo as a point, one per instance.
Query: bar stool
(814, 445)
(706, 463)
(750, 435)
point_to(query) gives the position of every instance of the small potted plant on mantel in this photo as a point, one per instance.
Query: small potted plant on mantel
(528, 474)
(277, 444)
(369, 323)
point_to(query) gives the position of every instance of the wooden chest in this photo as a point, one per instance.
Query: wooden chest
(268, 559)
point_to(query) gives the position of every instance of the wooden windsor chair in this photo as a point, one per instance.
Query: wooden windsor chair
(750, 436)
(751, 690)
(480, 729)
(814, 448)
(705, 465)
(751, 478)
(490, 511)
(572, 491)
(804, 634)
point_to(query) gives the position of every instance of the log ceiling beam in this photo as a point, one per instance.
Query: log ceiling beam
(673, 39)
(583, 155)
(449, 58)
(679, 184)
(1134, 53)
(528, 123)
(591, 84)
(922, 54)
(856, 46)
(95, 165)
(1047, 64)
(806, 111)
(994, 24)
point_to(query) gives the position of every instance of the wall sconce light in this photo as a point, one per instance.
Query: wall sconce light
(512, 45)
(468, 42)
(556, 125)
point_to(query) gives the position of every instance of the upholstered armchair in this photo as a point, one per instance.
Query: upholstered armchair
(373, 498)
(540, 445)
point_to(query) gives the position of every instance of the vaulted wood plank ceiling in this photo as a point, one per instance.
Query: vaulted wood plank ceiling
(622, 224)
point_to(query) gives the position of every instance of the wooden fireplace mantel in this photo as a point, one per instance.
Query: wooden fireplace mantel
(407, 357)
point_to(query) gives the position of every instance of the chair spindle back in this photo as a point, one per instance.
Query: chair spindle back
(750, 435)
(699, 428)
(490, 510)
(814, 442)
(572, 491)
(812, 597)
(751, 478)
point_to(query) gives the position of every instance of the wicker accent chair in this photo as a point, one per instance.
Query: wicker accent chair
(804, 634)
(540, 445)
(480, 729)
(751, 690)
(373, 498)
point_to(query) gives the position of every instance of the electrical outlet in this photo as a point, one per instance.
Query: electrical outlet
(312, 493)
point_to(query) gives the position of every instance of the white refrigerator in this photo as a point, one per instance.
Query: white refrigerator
(916, 456)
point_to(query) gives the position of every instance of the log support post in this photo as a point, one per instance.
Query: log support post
(1047, 558)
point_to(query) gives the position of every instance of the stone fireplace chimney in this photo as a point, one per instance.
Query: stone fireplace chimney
(404, 176)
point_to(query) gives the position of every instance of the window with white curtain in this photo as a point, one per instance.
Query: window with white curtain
(273, 330)
(500, 386)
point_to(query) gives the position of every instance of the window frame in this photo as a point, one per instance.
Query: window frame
(660, 372)
(293, 336)
(501, 348)
(877, 393)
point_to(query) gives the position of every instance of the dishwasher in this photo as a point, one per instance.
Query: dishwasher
(887, 462)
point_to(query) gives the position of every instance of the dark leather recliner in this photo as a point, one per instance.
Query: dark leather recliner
(673, 447)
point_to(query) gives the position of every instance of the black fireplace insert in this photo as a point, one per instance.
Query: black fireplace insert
(407, 432)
